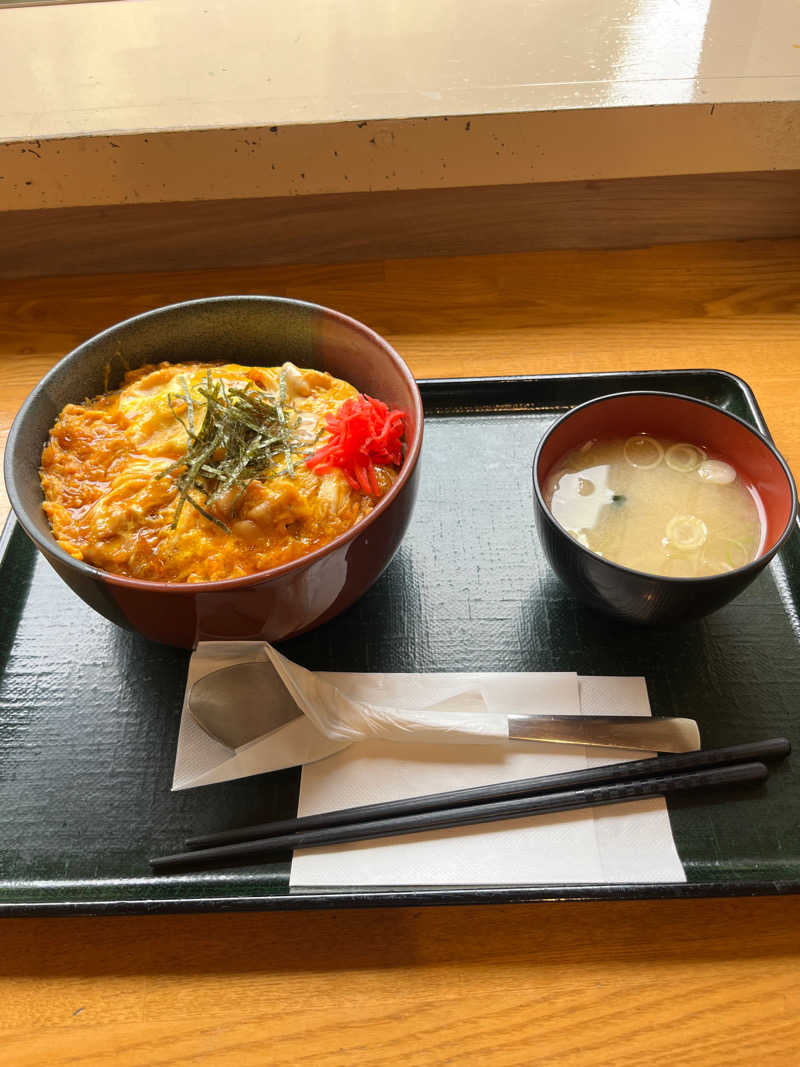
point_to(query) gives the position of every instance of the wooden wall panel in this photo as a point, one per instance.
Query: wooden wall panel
(336, 228)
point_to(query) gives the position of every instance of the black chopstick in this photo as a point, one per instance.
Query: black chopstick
(567, 800)
(774, 748)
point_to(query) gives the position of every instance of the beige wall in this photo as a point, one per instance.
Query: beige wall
(161, 100)
(401, 154)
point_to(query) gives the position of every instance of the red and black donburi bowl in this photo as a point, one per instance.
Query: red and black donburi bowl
(252, 330)
(651, 599)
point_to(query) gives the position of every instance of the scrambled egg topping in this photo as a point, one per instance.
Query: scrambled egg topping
(107, 505)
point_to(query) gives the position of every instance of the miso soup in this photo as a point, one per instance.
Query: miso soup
(656, 505)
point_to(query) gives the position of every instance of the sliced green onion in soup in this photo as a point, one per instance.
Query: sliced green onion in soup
(716, 471)
(686, 532)
(725, 554)
(643, 452)
(737, 553)
(684, 457)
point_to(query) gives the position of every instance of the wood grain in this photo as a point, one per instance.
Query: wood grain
(341, 227)
(670, 983)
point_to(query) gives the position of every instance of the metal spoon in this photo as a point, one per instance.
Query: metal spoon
(237, 704)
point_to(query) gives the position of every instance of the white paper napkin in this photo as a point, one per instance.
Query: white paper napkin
(620, 843)
(201, 760)
(623, 843)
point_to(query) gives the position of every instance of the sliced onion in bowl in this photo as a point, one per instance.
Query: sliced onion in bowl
(643, 452)
(686, 532)
(684, 457)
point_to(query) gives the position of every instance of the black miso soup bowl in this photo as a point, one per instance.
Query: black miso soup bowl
(650, 599)
(257, 330)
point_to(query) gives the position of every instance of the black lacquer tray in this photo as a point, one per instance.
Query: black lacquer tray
(89, 713)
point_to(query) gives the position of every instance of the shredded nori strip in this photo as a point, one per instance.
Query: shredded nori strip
(245, 431)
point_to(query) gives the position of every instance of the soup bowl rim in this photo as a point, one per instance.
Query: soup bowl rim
(706, 579)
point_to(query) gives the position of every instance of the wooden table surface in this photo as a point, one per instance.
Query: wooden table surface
(681, 982)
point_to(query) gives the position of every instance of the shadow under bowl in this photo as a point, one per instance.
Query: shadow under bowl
(650, 599)
(253, 330)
